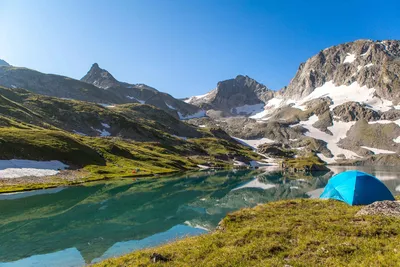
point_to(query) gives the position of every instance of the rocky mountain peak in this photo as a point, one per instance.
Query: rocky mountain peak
(3, 63)
(242, 91)
(375, 64)
(100, 77)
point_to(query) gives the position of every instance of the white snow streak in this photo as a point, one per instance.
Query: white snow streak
(270, 106)
(138, 100)
(169, 106)
(253, 143)
(103, 132)
(106, 105)
(349, 58)
(193, 98)
(344, 93)
(379, 151)
(339, 131)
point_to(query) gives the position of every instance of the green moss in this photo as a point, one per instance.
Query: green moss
(295, 233)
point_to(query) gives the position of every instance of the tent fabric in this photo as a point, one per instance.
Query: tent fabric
(356, 188)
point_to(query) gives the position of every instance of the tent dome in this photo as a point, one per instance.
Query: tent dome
(356, 188)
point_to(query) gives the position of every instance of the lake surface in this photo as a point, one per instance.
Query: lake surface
(78, 225)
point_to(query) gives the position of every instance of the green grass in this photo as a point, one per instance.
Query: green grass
(310, 162)
(295, 233)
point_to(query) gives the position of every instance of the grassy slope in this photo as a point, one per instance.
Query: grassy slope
(295, 232)
(132, 121)
(39, 127)
(103, 158)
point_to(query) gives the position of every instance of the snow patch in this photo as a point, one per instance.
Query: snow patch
(134, 98)
(199, 114)
(385, 122)
(106, 105)
(198, 97)
(105, 125)
(204, 167)
(397, 140)
(196, 226)
(202, 126)
(379, 151)
(349, 58)
(249, 109)
(339, 131)
(344, 93)
(169, 106)
(15, 168)
(253, 143)
(270, 105)
(103, 132)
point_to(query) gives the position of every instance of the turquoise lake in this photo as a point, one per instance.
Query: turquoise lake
(79, 225)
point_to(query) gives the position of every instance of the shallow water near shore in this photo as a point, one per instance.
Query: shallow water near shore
(74, 226)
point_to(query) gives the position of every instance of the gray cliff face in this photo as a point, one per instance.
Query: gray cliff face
(373, 64)
(98, 86)
(234, 93)
(354, 111)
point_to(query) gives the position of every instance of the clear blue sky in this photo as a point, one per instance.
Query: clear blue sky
(184, 47)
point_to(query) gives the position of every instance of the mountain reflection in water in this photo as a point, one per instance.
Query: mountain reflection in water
(85, 224)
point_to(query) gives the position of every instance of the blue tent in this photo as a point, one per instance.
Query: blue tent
(356, 188)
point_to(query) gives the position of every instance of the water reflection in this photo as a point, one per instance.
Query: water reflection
(85, 224)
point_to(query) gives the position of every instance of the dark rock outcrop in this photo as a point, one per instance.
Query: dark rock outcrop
(391, 115)
(354, 111)
(100, 77)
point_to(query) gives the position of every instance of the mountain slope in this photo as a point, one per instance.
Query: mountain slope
(55, 85)
(110, 92)
(365, 62)
(3, 63)
(132, 121)
(140, 93)
(319, 111)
